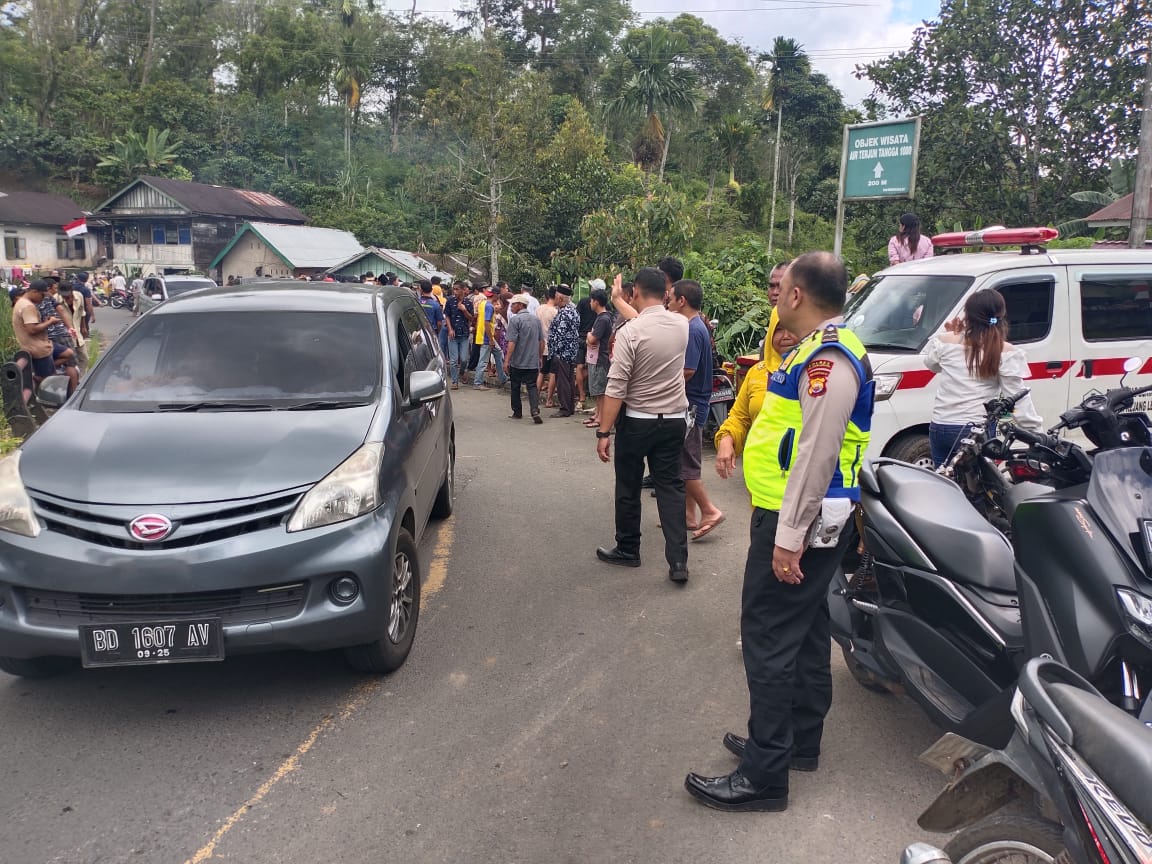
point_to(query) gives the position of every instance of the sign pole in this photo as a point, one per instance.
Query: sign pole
(838, 240)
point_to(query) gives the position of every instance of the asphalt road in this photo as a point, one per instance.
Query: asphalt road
(548, 713)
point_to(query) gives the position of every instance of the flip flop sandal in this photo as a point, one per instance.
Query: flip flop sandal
(708, 527)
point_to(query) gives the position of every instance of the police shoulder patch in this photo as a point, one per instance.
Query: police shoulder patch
(818, 370)
(831, 334)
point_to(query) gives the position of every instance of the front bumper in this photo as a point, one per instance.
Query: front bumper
(61, 568)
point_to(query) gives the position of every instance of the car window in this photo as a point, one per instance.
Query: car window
(415, 323)
(1029, 306)
(900, 313)
(276, 359)
(1116, 308)
(403, 356)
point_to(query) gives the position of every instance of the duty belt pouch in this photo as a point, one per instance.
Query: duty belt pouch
(834, 515)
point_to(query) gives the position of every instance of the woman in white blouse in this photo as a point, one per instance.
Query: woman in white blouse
(976, 363)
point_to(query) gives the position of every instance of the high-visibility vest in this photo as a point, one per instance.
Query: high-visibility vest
(771, 445)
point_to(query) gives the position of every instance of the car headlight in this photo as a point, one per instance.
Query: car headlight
(1138, 610)
(15, 506)
(886, 385)
(349, 491)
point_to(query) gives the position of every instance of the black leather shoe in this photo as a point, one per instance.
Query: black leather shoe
(735, 793)
(734, 744)
(678, 573)
(647, 483)
(615, 556)
(515, 416)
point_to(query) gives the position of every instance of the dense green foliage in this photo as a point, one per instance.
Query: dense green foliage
(561, 138)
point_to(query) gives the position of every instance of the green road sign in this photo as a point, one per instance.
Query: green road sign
(879, 159)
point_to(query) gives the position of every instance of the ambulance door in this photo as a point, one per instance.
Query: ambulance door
(1038, 323)
(1112, 321)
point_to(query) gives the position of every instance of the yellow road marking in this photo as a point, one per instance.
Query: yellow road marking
(360, 695)
(438, 567)
(437, 573)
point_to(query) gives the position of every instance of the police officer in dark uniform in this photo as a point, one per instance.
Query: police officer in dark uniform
(801, 464)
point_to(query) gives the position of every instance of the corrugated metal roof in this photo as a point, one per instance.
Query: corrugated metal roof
(38, 208)
(302, 246)
(407, 261)
(1119, 212)
(201, 198)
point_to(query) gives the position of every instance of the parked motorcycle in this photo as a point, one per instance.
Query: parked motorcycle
(1072, 784)
(949, 612)
(119, 298)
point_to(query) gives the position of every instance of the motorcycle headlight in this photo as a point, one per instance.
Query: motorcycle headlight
(15, 506)
(886, 385)
(349, 491)
(1138, 610)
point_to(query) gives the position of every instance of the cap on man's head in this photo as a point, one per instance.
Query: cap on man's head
(597, 284)
(40, 285)
(518, 300)
(82, 276)
(487, 292)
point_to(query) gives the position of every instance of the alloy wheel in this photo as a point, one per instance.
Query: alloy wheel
(1007, 852)
(403, 596)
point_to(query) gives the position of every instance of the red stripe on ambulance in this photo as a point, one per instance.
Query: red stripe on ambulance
(915, 379)
(1108, 366)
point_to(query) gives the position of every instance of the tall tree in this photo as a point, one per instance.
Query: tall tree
(656, 82)
(790, 66)
(733, 134)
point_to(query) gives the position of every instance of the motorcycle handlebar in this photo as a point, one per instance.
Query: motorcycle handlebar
(1124, 394)
(1033, 439)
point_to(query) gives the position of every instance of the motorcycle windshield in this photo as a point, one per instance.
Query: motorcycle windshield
(1120, 495)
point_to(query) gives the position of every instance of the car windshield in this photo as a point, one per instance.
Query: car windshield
(183, 286)
(894, 312)
(238, 360)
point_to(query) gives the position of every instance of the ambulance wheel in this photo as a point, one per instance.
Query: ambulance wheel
(913, 449)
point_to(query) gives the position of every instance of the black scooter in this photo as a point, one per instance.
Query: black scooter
(1071, 785)
(949, 612)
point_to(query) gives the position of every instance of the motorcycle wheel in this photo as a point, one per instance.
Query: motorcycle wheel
(116, 302)
(717, 414)
(1007, 839)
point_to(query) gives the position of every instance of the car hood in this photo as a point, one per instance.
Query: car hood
(175, 458)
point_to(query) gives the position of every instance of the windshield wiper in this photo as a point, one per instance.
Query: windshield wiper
(324, 405)
(213, 406)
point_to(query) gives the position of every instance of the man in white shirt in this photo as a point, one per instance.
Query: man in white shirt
(533, 303)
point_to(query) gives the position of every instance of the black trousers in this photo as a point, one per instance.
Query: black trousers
(660, 442)
(474, 359)
(527, 377)
(565, 384)
(786, 635)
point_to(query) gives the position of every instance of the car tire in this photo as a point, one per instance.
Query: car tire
(36, 667)
(442, 506)
(913, 449)
(388, 653)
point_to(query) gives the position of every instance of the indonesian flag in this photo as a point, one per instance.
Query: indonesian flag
(76, 228)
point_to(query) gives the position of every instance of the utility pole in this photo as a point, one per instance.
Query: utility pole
(1142, 188)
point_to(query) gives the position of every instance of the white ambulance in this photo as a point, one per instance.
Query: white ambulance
(1079, 314)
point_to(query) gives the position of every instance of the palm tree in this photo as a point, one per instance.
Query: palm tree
(789, 63)
(656, 82)
(733, 134)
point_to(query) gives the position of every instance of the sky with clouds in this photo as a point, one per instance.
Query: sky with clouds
(838, 34)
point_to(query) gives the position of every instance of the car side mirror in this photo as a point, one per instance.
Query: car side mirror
(424, 387)
(53, 391)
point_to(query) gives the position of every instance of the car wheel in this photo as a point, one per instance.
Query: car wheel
(36, 667)
(388, 653)
(442, 506)
(913, 449)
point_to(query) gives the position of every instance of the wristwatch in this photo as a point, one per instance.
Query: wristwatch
(600, 434)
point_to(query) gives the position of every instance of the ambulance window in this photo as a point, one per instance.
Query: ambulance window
(1029, 307)
(1116, 307)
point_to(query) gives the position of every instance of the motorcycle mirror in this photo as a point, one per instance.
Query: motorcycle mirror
(1130, 366)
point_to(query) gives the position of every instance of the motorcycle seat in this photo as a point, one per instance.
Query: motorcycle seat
(934, 511)
(1114, 744)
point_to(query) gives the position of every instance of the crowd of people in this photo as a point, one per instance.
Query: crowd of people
(51, 320)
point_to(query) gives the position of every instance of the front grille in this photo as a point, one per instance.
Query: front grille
(194, 524)
(239, 606)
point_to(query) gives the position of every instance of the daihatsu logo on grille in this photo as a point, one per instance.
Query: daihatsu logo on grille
(150, 528)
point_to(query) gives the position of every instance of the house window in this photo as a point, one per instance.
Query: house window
(79, 248)
(126, 235)
(171, 234)
(63, 249)
(15, 248)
